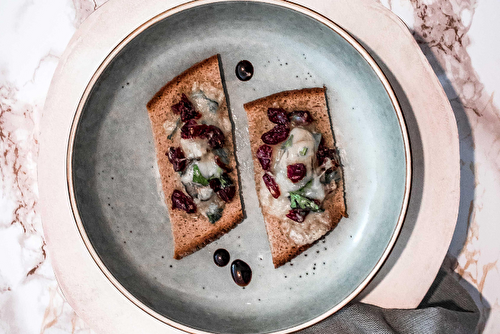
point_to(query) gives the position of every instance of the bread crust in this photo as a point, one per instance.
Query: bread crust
(191, 231)
(314, 101)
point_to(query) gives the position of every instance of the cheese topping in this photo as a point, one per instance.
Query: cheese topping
(194, 148)
(300, 147)
(206, 99)
(310, 230)
(302, 142)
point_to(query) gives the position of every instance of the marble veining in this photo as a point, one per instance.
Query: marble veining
(442, 29)
(30, 300)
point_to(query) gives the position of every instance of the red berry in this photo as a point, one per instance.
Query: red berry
(297, 215)
(215, 136)
(264, 154)
(227, 194)
(271, 185)
(177, 158)
(277, 116)
(296, 172)
(276, 135)
(183, 202)
(186, 109)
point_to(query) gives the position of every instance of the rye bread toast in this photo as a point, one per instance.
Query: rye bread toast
(191, 231)
(284, 249)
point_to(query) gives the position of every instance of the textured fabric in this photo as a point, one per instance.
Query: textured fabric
(447, 308)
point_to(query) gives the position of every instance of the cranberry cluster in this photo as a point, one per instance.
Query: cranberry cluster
(296, 172)
(276, 135)
(215, 137)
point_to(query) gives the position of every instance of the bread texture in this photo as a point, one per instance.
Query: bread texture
(313, 100)
(192, 231)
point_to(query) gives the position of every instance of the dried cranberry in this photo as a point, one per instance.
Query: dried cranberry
(277, 116)
(271, 185)
(193, 130)
(186, 109)
(188, 130)
(177, 158)
(221, 164)
(215, 184)
(183, 202)
(227, 194)
(296, 172)
(297, 215)
(225, 190)
(264, 154)
(325, 152)
(276, 135)
(300, 117)
(215, 136)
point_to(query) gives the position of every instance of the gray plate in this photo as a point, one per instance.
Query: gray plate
(116, 181)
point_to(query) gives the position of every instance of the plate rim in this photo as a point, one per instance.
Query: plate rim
(192, 4)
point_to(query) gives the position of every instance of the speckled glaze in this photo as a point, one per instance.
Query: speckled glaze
(115, 179)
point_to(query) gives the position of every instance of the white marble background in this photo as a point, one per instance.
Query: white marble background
(459, 38)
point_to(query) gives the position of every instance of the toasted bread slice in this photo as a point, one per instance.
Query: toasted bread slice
(191, 231)
(284, 249)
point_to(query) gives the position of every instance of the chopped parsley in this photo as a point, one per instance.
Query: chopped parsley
(287, 143)
(300, 202)
(198, 177)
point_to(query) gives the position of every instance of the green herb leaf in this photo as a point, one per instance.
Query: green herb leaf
(214, 215)
(304, 188)
(304, 203)
(303, 151)
(287, 143)
(198, 177)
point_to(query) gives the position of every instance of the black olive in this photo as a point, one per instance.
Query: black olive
(244, 70)
(221, 257)
(241, 272)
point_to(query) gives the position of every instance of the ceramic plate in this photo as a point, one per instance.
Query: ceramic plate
(114, 181)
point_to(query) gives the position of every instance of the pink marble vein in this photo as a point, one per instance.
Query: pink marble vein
(37, 33)
(442, 29)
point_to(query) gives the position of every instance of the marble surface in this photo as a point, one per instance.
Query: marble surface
(457, 37)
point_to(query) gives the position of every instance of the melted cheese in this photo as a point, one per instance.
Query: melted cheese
(169, 126)
(277, 207)
(311, 229)
(208, 167)
(194, 148)
(302, 140)
(316, 224)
